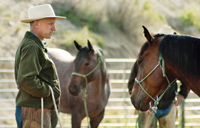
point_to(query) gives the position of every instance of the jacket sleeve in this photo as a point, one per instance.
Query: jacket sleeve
(29, 68)
(184, 90)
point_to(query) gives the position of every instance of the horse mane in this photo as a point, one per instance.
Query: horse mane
(183, 52)
(101, 55)
(158, 35)
(98, 50)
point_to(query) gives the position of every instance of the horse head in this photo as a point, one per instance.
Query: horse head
(148, 77)
(85, 67)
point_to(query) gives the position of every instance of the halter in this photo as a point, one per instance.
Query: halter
(161, 63)
(86, 82)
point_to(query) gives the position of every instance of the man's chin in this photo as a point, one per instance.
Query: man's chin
(47, 37)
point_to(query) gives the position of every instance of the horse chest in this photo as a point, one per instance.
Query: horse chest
(96, 106)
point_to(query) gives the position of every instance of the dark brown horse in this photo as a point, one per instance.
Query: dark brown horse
(88, 60)
(162, 60)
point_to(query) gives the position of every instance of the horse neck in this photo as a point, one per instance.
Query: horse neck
(97, 86)
(191, 81)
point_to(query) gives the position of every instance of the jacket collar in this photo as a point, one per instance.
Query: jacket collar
(34, 37)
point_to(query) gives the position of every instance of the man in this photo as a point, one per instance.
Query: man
(166, 112)
(35, 72)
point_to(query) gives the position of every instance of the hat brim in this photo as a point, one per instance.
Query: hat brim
(30, 20)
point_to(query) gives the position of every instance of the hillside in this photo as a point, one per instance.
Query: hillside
(114, 25)
(119, 23)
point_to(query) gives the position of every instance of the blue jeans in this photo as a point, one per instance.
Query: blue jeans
(18, 113)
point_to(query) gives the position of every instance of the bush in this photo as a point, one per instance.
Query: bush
(190, 17)
(81, 37)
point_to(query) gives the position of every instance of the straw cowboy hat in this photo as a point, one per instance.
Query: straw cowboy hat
(41, 12)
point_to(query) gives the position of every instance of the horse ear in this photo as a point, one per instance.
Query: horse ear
(90, 46)
(148, 35)
(77, 46)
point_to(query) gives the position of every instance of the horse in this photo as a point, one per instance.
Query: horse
(88, 60)
(162, 60)
(166, 113)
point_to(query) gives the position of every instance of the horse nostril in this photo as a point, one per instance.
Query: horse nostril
(73, 87)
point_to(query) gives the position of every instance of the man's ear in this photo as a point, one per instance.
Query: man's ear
(36, 24)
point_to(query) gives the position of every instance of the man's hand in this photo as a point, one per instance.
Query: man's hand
(178, 100)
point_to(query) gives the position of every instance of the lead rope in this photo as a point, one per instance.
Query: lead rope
(85, 94)
(42, 112)
(164, 75)
(42, 109)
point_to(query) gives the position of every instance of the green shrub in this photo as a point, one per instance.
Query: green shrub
(190, 17)
(82, 18)
(81, 37)
(149, 12)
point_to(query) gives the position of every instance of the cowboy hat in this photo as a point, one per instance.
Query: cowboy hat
(41, 12)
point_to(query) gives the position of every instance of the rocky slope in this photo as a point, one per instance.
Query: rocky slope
(118, 42)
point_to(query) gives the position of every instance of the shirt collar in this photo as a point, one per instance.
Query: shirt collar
(44, 43)
(34, 34)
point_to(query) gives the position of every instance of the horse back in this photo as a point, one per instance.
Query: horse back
(63, 61)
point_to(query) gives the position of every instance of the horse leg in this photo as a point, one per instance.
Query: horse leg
(168, 121)
(94, 122)
(76, 119)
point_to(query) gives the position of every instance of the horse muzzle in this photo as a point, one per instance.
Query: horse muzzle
(74, 89)
(140, 104)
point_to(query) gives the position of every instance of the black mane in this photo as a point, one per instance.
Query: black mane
(183, 52)
(145, 45)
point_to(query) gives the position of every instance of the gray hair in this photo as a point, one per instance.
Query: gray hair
(31, 23)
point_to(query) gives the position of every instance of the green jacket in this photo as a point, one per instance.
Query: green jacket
(34, 72)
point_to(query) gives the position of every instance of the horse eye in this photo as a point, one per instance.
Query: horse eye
(139, 61)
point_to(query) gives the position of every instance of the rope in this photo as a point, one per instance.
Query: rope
(149, 73)
(85, 106)
(137, 120)
(85, 94)
(162, 65)
(85, 89)
(42, 112)
(54, 103)
(164, 75)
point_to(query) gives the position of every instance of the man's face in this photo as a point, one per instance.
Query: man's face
(46, 27)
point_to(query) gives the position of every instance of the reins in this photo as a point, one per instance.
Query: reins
(161, 63)
(86, 82)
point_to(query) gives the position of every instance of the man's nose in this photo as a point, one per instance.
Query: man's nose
(54, 28)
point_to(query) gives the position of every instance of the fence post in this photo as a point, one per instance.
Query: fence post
(183, 114)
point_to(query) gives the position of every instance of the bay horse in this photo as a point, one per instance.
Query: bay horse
(88, 59)
(166, 112)
(163, 59)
